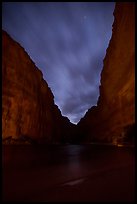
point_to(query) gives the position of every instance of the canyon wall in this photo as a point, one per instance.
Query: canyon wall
(113, 116)
(28, 110)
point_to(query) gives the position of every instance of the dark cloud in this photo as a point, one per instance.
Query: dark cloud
(67, 41)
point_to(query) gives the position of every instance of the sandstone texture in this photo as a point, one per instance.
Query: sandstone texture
(28, 110)
(114, 114)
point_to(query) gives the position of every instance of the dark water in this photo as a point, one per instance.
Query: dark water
(68, 173)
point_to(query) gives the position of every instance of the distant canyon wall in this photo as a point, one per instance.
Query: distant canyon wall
(28, 109)
(115, 110)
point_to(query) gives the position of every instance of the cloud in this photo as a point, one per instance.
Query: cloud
(67, 41)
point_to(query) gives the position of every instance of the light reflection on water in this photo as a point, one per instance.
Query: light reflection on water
(33, 170)
(74, 156)
(74, 165)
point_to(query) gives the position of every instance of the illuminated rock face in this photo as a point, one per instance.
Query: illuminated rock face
(116, 104)
(28, 109)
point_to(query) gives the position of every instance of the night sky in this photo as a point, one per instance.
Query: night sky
(68, 42)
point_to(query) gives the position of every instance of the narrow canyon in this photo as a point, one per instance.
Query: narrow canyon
(29, 114)
(47, 158)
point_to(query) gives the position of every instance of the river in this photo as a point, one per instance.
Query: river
(88, 173)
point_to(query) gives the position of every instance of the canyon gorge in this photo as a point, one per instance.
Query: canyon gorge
(29, 114)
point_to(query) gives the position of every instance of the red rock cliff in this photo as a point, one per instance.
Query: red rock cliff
(28, 109)
(116, 104)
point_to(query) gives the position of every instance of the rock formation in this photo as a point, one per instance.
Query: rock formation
(28, 109)
(114, 113)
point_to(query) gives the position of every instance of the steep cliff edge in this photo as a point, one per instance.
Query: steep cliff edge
(28, 109)
(114, 115)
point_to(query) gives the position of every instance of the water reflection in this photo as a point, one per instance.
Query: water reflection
(74, 165)
(31, 173)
